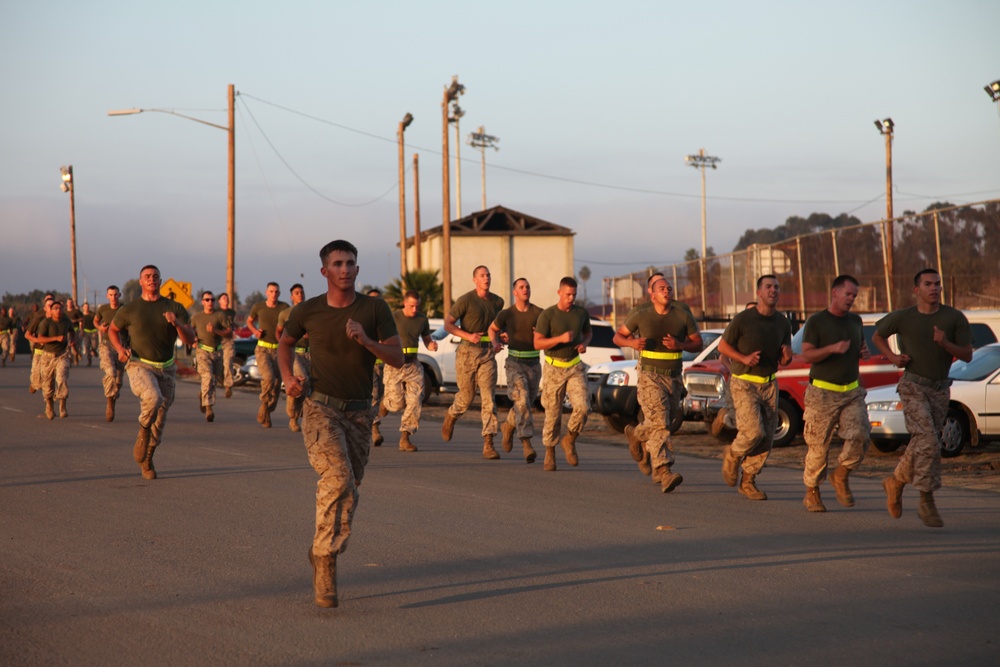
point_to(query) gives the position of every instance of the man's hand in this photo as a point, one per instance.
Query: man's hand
(293, 386)
(433, 346)
(751, 359)
(124, 355)
(356, 332)
(865, 352)
(939, 337)
(671, 343)
(899, 360)
(841, 347)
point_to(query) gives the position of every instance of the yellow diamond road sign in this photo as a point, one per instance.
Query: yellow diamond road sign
(178, 291)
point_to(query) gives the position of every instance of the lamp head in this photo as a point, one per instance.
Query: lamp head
(407, 119)
(993, 90)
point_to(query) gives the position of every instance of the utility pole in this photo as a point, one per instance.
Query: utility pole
(403, 124)
(482, 141)
(450, 93)
(456, 113)
(886, 128)
(67, 186)
(700, 161)
(416, 210)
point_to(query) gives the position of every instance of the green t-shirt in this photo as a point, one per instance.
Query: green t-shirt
(647, 323)
(229, 320)
(88, 321)
(74, 315)
(915, 334)
(6, 322)
(200, 322)
(411, 329)
(105, 316)
(50, 327)
(674, 303)
(520, 327)
(283, 320)
(475, 312)
(554, 322)
(824, 329)
(151, 337)
(341, 367)
(265, 318)
(750, 331)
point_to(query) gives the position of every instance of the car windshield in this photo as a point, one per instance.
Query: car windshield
(985, 362)
(706, 339)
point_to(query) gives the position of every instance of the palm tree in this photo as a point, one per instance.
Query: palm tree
(425, 283)
(584, 276)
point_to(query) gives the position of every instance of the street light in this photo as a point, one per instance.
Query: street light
(886, 128)
(993, 90)
(231, 131)
(451, 93)
(403, 124)
(700, 161)
(482, 141)
(67, 186)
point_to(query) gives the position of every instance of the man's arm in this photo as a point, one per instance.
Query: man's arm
(897, 360)
(543, 343)
(963, 352)
(813, 354)
(623, 338)
(286, 364)
(454, 330)
(746, 359)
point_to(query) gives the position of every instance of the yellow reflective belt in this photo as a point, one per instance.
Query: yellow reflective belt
(207, 348)
(560, 363)
(834, 387)
(158, 364)
(90, 330)
(484, 339)
(758, 379)
(525, 354)
(661, 355)
(267, 346)
(301, 350)
(38, 350)
(410, 350)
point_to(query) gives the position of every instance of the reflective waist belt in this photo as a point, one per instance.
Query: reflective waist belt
(757, 379)
(483, 341)
(38, 350)
(926, 382)
(3, 331)
(524, 354)
(669, 372)
(267, 346)
(661, 355)
(341, 404)
(158, 364)
(410, 350)
(90, 331)
(562, 363)
(301, 350)
(834, 387)
(207, 348)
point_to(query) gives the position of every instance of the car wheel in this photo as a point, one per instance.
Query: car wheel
(239, 377)
(789, 423)
(618, 422)
(887, 446)
(677, 422)
(954, 433)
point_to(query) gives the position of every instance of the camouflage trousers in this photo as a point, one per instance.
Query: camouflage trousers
(558, 384)
(154, 387)
(659, 398)
(404, 390)
(88, 343)
(756, 407)
(378, 390)
(114, 371)
(522, 390)
(476, 366)
(301, 368)
(228, 351)
(826, 411)
(35, 377)
(6, 344)
(338, 443)
(924, 410)
(54, 371)
(209, 370)
(270, 376)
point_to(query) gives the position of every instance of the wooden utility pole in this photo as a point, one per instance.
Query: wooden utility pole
(450, 93)
(231, 251)
(407, 119)
(70, 187)
(885, 128)
(416, 210)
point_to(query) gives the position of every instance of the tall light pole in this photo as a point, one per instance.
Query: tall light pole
(67, 186)
(701, 161)
(231, 130)
(403, 124)
(450, 93)
(885, 128)
(416, 210)
(482, 141)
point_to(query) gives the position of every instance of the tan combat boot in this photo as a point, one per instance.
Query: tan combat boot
(293, 425)
(507, 430)
(324, 579)
(448, 427)
(141, 445)
(49, 409)
(813, 501)
(209, 414)
(404, 442)
(62, 409)
(750, 490)
(927, 511)
(267, 418)
(893, 496)
(635, 447)
(569, 447)
(488, 451)
(550, 459)
(146, 465)
(730, 467)
(645, 465)
(719, 423)
(377, 438)
(261, 413)
(669, 480)
(229, 392)
(840, 486)
(529, 451)
(109, 411)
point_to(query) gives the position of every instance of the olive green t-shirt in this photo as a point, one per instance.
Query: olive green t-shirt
(554, 322)
(341, 368)
(151, 337)
(519, 327)
(6, 322)
(283, 320)
(915, 334)
(824, 329)
(105, 315)
(674, 303)
(411, 329)
(200, 322)
(265, 318)
(88, 321)
(750, 331)
(647, 323)
(475, 312)
(229, 320)
(50, 327)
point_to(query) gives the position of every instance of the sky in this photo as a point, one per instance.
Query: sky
(595, 105)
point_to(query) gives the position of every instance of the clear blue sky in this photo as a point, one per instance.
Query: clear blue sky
(607, 94)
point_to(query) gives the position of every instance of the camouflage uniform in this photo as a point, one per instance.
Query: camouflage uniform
(756, 407)
(227, 350)
(301, 367)
(89, 343)
(561, 383)
(825, 411)
(378, 391)
(270, 377)
(114, 370)
(6, 336)
(924, 409)
(476, 365)
(404, 390)
(209, 369)
(522, 390)
(54, 371)
(154, 387)
(658, 396)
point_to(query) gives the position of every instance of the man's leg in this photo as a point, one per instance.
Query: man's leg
(466, 367)
(553, 394)
(486, 379)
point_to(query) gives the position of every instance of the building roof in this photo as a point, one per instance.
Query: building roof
(500, 221)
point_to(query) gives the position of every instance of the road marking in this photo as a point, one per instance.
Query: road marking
(12, 409)
(228, 452)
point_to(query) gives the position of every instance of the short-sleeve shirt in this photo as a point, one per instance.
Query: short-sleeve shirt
(750, 331)
(555, 322)
(50, 327)
(915, 333)
(74, 315)
(151, 337)
(825, 328)
(265, 318)
(674, 303)
(475, 312)
(520, 327)
(283, 320)
(106, 315)
(647, 323)
(411, 329)
(341, 368)
(228, 319)
(200, 322)
(6, 322)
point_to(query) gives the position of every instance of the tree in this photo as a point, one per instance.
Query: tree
(254, 297)
(131, 290)
(584, 276)
(425, 283)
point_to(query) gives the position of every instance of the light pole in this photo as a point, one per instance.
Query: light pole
(67, 186)
(416, 210)
(700, 161)
(231, 130)
(885, 128)
(456, 114)
(450, 93)
(403, 124)
(482, 141)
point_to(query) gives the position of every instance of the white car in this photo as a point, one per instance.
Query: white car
(973, 412)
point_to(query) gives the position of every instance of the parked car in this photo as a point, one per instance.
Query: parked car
(973, 411)
(613, 385)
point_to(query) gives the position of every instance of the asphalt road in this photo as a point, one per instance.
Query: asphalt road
(455, 560)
